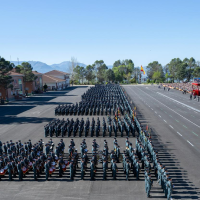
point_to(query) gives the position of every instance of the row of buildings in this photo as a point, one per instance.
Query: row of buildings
(55, 80)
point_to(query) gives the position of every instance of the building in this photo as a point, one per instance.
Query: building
(60, 75)
(53, 83)
(36, 85)
(18, 89)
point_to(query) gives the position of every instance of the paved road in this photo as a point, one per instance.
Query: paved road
(25, 120)
(176, 123)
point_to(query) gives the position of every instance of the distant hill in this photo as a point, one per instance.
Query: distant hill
(65, 66)
(43, 67)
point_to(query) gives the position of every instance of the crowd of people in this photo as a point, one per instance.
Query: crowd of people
(98, 100)
(185, 87)
(113, 126)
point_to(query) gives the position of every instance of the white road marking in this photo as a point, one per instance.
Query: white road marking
(190, 143)
(171, 126)
(179, 134)
(170, 108)
(164, 121)
(152, 109)
(159, 116)
(180, 102)
(155, 112)
(194, 133)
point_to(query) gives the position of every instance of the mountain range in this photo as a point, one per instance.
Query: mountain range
(43, 67)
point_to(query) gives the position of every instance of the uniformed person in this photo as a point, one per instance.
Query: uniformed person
(137, 169)
(127, 169)
(105, 168)
(19, 169)
(82, 169)
(149, 183)
(34, 170)
(9, 165)
(71, 167)
(114, 170)
(47, 170)
(170, 188)
(92, 169)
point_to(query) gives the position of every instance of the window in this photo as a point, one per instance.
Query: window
(20, 84)
(40, 82)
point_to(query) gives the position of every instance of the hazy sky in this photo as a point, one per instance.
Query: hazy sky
(53, 31)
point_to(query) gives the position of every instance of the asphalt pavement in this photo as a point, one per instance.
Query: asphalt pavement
(175, 120)
(26, 119)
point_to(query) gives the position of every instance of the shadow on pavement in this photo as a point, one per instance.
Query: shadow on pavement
(23, 120)
(13, 110)
(183, 188)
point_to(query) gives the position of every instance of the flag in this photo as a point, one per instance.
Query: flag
(142, 70)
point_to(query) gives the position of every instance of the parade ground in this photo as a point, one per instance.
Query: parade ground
(175, 123)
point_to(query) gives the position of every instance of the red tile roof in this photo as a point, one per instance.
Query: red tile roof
(56, 72)
(36, 73)
(50, 79)
(11, 73)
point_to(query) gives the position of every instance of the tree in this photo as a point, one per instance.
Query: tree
(167, 76)
(173, 67)
(26, 69)
(118, 74)
(133, 80)
(181, 71)
(76, 73)
(5, 78)
(196, 72)
(100, 70)
(110, 76)
(79, 73)
(136, 73)
(123, 69)
(89, 73)
(73, 64)
(117, 63)
(154, 67)
(128, 77)
(191, 64)
(156, 76)
(82, 73)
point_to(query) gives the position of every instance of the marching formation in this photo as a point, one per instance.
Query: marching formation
(18, 159)
(41, 160)
(148, 154)
(98, 100)
(113, 127)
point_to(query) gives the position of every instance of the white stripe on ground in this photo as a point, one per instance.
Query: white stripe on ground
(190, 143)
(179, 134)
(170, 108)
(171, 126)
(180, 102)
